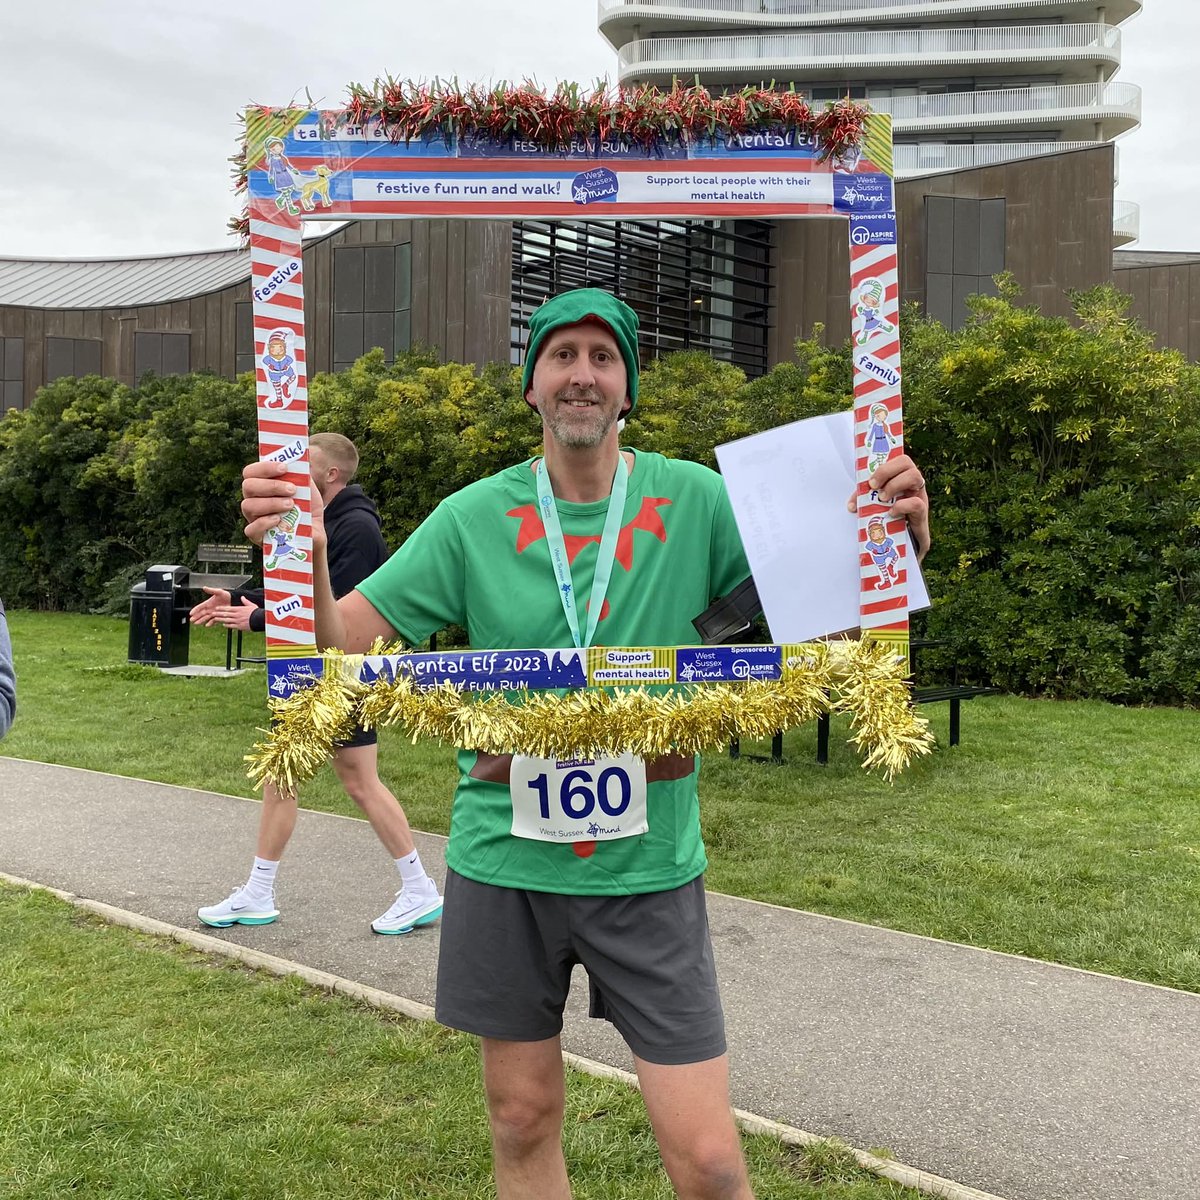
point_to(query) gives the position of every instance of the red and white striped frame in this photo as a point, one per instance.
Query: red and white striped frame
(875, 342)
(278, 307)
(277, 288)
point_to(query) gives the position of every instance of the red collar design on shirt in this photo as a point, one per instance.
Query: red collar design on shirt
(532, 530)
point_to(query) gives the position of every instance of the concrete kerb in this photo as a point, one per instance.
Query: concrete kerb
(922, 1181)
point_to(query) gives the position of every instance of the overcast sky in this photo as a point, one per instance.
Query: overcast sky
(120, 115)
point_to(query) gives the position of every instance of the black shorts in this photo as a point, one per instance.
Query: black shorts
(504, 966)
(360, 737)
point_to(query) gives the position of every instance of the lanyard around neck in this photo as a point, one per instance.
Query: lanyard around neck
(605, 557)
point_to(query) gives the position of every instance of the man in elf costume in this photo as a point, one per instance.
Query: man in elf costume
(599, 863)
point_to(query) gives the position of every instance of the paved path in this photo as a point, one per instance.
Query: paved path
(1017, 1077)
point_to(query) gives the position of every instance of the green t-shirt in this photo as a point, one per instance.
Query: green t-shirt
(481, 560)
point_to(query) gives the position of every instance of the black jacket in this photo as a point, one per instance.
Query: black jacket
(356, 548)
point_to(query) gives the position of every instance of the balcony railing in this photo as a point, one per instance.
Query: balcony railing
(781, 8)
(809, 52)
(737, 9)
(925, 158)
(1072, 101)
(1127, 222)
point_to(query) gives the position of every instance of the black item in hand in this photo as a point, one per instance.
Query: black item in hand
(726, 618)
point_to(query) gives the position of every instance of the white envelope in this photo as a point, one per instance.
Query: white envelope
(789, 488)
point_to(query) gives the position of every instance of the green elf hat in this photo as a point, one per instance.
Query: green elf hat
(586, 304)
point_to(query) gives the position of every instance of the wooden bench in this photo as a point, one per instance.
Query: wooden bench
(776, 755)
(240, 558)
(954, 692)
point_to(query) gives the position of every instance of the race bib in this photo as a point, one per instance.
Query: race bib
(579, 800)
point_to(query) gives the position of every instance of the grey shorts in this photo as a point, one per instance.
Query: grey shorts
(504, 966)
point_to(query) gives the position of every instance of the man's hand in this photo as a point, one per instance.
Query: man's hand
(899, 482)
(205, 613)
(236, 616)
(266, 496)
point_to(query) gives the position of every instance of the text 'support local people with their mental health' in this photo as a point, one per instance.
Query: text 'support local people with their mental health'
(591, 542)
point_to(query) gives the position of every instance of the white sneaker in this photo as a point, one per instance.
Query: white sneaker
(239, 909)
(410, 910)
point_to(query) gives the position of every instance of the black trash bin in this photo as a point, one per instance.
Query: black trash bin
(158, 617)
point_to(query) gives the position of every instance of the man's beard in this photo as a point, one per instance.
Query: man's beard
(577, 429)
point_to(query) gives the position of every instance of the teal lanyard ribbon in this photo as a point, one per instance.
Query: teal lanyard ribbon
(605, 557)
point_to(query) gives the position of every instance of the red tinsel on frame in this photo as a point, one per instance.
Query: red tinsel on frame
(641, 115)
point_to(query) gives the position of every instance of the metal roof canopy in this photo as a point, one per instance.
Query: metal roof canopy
(119, 282)
(127, 282)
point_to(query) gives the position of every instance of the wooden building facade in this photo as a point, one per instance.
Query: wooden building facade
(446, 284)
(743, 290)
(1047, 220)
(1166, 295)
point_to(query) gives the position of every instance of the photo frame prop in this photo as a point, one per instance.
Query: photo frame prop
(409, 150)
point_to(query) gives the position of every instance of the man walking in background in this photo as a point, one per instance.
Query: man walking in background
(356, 549)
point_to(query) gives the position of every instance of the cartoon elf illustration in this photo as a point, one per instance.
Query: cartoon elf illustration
(280, 543)
(280, 173)
(870, 301)
(879, 437)
(281, 374)
(882, 550)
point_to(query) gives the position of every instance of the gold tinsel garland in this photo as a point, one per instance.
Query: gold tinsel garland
(864, 679)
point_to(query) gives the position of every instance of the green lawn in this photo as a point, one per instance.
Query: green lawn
(1067, 831)
(135, 1069)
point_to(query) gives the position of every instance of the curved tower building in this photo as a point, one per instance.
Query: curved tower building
(968, 82)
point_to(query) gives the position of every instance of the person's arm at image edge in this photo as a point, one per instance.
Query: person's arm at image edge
(8, 678)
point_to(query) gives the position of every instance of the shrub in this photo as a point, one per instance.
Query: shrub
(1061, 462)
(97, 480)
(187, 461)
(1061, 459)
(66, 492)
(423, 429)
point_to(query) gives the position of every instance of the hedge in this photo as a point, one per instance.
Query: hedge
(1061, 458)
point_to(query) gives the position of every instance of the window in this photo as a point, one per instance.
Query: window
(700, 285)
(71, 357)
(965, 243)
(12, 373)
(372, 301)
(162, 353)
(243, 337)
(820, 94)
